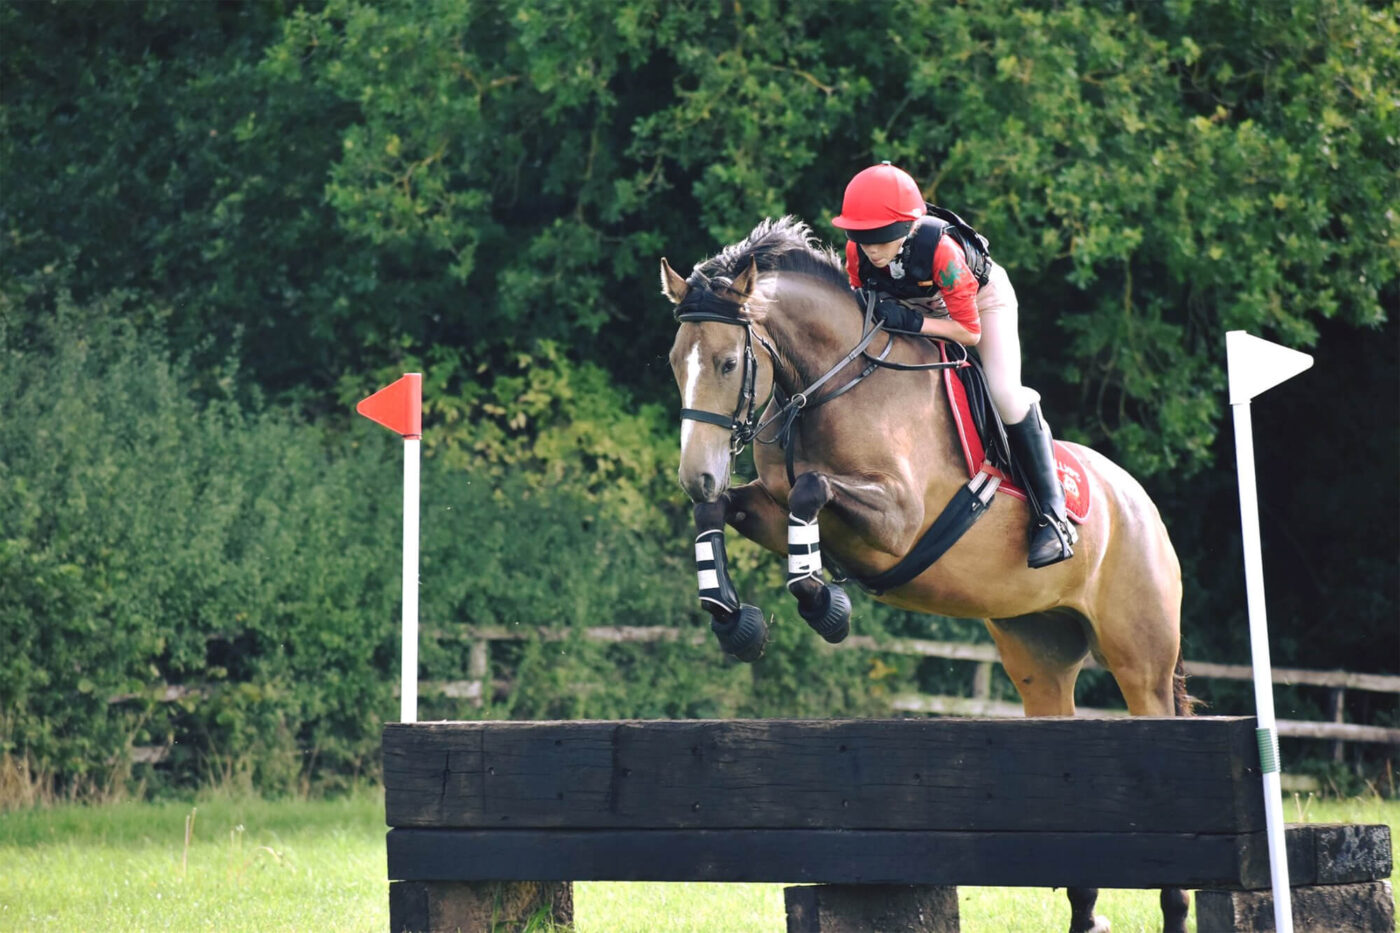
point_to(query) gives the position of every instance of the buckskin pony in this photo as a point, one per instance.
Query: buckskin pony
(856, 462)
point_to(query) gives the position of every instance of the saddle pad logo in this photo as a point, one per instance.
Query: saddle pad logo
(1074, 480)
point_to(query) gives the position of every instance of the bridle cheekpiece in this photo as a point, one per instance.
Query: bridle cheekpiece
(743, 422)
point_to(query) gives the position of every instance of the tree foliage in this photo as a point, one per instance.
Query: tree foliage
(154, 540)
(347, 180)
(299, 200)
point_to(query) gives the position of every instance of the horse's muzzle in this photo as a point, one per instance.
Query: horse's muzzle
(703, 487)
(705, 464)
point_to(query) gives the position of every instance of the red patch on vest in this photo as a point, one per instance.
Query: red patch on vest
(1073, 477)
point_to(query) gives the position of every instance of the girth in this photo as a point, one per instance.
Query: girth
(968, 504)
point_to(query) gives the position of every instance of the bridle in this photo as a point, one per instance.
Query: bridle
(745, 427)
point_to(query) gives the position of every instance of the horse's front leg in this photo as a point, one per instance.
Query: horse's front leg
(739, 627)
(756, 515)
(877, 509)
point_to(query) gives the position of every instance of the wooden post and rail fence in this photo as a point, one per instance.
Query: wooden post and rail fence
(474, 687)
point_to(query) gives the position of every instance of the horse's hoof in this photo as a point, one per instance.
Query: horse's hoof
(744, 634)
(1100, 925)
(832, 617)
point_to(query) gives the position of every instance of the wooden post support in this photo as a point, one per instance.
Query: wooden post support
(479, 669)
(856, 908)
(982, 681)
(1336, 705)
(1338, 871)
(477, 906)
(1368, 907)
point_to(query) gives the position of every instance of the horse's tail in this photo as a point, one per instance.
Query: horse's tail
(1184, 702)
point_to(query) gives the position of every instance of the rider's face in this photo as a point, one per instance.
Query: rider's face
(881, 254)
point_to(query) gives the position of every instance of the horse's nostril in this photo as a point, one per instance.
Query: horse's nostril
(707, 485)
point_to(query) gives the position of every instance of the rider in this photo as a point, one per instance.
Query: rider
(908, 251)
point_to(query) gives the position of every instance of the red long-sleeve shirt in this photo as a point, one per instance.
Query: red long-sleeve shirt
(952, 280)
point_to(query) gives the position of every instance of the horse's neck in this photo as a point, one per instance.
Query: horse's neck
(812, 328)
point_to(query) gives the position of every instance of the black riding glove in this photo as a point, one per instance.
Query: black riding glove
(898, 316)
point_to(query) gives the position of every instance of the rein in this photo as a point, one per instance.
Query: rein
(745, 428)
(871, 299)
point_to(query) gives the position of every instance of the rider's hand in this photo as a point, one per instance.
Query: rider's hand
(898, 316)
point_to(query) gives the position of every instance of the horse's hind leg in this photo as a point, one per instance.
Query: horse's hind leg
(1139, 640)
(1042, 655)
(1082, 918)
(1176, 904)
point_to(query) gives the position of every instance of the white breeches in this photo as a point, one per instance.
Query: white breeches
(1000, 348)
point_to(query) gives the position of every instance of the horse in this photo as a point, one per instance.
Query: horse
(855, 461)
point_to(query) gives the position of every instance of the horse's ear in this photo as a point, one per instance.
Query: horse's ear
(672, 285)
(744, 282)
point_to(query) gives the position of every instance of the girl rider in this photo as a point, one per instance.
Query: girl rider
(907, 254)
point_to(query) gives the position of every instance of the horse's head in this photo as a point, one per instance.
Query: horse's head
(721, 379)
(778, 290)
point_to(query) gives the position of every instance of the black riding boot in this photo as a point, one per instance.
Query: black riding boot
(1051, 534)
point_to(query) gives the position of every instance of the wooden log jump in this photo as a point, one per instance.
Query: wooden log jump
(479, 808)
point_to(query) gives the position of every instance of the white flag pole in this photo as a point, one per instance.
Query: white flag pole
(408, 699)
(1256, 365)
(1267, 732)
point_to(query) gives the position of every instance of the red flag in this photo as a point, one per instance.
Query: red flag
(398, 406)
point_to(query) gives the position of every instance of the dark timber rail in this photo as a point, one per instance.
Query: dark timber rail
(486, 815)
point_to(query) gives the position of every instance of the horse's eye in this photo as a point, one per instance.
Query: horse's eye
(729, 366)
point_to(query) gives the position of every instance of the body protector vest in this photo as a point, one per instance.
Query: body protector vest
(910, 275)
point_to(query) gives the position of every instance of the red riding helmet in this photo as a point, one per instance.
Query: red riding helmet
(881, 204)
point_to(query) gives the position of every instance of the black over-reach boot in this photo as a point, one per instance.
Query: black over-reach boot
(1052, 536)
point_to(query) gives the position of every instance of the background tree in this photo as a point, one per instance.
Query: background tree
(292, 202)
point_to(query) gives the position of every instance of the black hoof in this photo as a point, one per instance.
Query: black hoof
(744, 634)
(831, 619)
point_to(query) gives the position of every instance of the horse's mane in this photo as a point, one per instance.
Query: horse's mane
(783, 245)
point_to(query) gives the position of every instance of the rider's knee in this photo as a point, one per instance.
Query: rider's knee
(1013, 400)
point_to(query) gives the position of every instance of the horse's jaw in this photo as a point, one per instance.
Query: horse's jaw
(705, 463)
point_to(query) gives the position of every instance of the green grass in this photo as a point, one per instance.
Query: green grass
(251, 865)
(294, 865)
